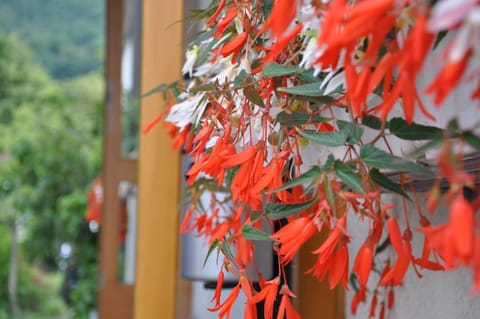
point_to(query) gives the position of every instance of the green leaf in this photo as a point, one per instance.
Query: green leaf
(202, 88)
(413, 132)
(330, 196)
(311, 89)
(252, 95)
(328, 138)
(252, 233)
(308, 76)
(349, 176)
(279, 211)
(309, 176)
(328, 163)
(323, 99)
(210, 250)
(274, 69)
(380, 159)
(354, 132)
(297, 118)
(160, 88)
(440, 36)
(472, 140)
(386, 183)
(425, 147)
(227, 251)
(372, 122)
(354, 282)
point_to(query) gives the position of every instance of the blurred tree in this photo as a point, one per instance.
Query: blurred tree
(50, 151)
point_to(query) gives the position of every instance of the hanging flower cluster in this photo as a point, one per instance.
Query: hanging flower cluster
(288, 118)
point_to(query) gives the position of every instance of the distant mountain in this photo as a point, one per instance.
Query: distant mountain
(66, 36)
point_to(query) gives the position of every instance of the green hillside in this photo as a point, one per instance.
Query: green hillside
(66, 36)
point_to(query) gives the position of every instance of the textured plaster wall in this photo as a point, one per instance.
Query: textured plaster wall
(438, 295)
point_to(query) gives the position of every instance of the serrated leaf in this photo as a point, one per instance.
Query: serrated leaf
(202, 88)
(274, 69)
(349, 177)
(386, 183)
(311, 89)
(377, 158)
(252, 95)
(160, 88)
(372, 122)
(227, 251)
(354, 132)
(297, 119)
(279, 211)
(252, 233)
(412, 132)
(210, 250)
(308, 177)
(472, 140)
(328, 138)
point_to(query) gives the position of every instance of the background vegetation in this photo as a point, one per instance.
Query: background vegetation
(51, 93)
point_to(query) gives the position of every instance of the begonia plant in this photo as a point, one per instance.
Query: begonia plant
(291, 112)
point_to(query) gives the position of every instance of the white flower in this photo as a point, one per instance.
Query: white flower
(467, 38)
(187, 112)
(191, 57)
(448, 13)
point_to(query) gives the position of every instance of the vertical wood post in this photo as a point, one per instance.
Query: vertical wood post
(159, 169)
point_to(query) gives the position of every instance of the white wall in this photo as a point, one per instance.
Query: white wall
(437, 295)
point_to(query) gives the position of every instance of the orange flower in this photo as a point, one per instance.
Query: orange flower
(212, 19)
(462, 221)
(268, 294)
(218, 288)
(282, 14)
(234, 46)
(286, 307)
(232, 12)
(292, 236)
(447, 79)
(404, 251)
(363, 263)
(226, 307)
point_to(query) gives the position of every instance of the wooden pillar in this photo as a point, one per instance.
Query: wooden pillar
(115, 300)
(315, 299)
(158, 175)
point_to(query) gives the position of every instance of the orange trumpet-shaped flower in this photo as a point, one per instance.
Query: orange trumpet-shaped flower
(223, 24)
(218, 288)
(212, 19)
(363, 263)
(268, 294)
(404, 251)
(234, 46)
(226, 306)
(282, 14)
(286, 309)
(292, 236)
(462, 221)
(447, 79)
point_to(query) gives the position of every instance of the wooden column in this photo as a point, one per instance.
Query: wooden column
(315, 299)
(115, 300)
(158, 179)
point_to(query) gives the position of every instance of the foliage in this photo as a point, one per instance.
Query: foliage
(289, 115)
(50, 152)
(66, 36)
